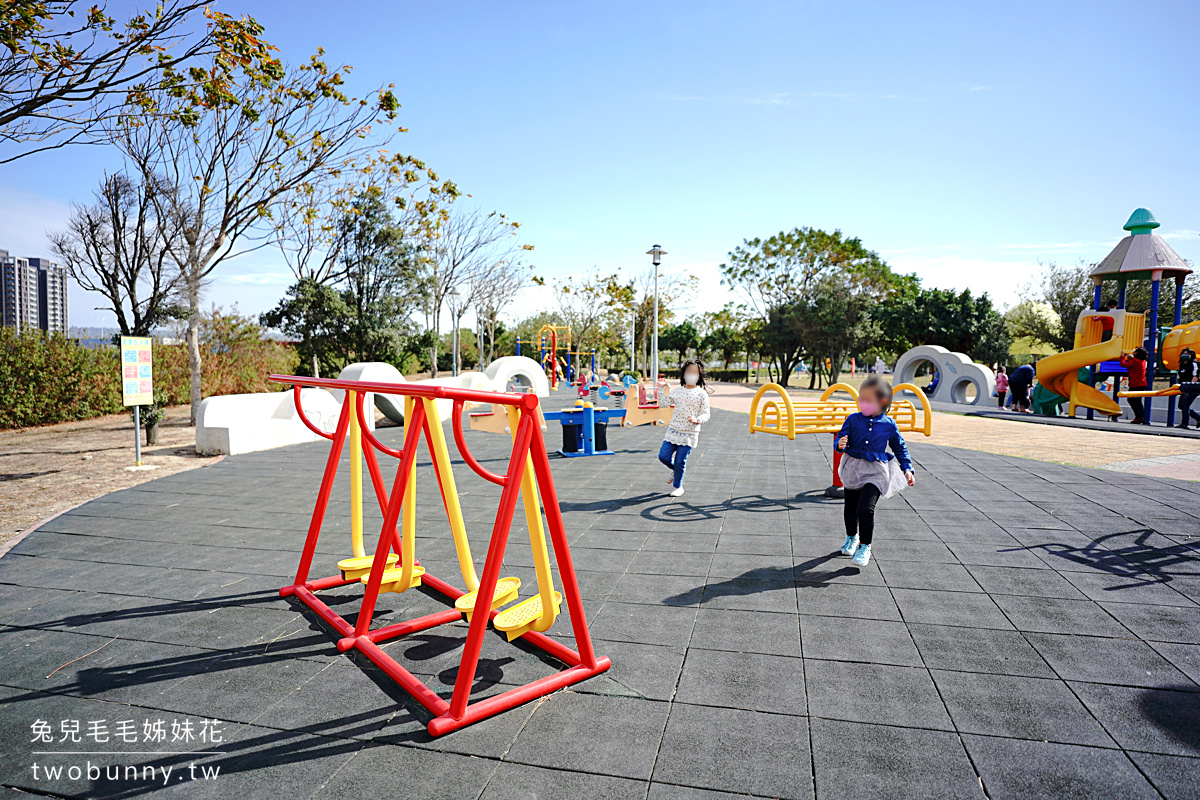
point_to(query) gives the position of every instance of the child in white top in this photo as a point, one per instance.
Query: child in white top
(683, 433)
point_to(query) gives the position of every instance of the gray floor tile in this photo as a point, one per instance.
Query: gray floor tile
(1016, 769)
(742, 680)
(1019, 708)
(849, 639)
(887, 695)
(762, 754)
(854, 760)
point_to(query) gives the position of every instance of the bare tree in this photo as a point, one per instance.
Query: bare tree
(674, 288)
(466, 244)
(493, 290)
(67, 69)
(241, 161)
(124, 249)
(585, 303)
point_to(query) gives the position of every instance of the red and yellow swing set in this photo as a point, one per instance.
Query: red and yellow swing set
(395, 568)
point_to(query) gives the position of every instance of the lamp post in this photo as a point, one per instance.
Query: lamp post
(453, 296)
(656, 253)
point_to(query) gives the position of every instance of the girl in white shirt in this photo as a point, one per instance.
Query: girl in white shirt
(683, 433)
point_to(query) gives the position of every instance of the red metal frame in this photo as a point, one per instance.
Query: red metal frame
(459, 712)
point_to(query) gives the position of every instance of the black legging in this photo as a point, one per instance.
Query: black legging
(860, 512)
(1139, 410)
(1187, 396)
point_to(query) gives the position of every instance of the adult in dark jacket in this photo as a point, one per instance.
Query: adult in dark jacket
(1189, 389)
(1020, 381)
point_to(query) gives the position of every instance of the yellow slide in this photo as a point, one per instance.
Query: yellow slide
(1060, 373)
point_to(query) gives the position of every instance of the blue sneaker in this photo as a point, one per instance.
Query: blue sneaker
(851, 543)
(863, 556)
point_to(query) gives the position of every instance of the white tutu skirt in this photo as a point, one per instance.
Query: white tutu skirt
(885, 475)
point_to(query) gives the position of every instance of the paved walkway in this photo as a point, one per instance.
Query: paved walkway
(1026, 630)
(1119, 446)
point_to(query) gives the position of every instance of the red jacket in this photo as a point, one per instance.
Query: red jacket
(1136, 367)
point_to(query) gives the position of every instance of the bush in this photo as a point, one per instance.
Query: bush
(49, 378)
(728, 375)
(46, 379)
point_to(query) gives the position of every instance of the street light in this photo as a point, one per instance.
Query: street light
(656, 252)
(453, 296)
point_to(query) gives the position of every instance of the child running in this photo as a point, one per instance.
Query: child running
(868, 471)
(691, 411)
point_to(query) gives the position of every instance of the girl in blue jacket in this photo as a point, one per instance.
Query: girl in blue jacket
(868, 471)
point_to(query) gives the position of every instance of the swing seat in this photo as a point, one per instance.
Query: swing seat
(391, 579)
(506, 592)
(354, 568)
(520, 619)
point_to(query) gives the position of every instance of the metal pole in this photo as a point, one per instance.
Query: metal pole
(654, 369)
(137, 436)
(632, 339)
(1152, 339)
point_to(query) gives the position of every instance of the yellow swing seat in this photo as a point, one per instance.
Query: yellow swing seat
(392, 579)
(521, 618)
(354, 568)
(506, 592)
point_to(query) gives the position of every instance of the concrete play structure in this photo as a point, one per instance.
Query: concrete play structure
(241, 423)
(956, 374)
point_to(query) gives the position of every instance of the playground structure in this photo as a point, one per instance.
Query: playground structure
(229, 424)
(956, 374)
(783, 416)
(550, 338)
(1059, 376)
(584, 423)
(1142, 255)
(394, 566)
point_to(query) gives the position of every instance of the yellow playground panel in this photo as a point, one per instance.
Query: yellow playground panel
(773, 411)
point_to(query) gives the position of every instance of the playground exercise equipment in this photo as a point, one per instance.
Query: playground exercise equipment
(783, 416)
(499, 376)
(642, 406)
(1142, 255)
(956, 374)
(394, 566)
(584, 432)
(1059, 374)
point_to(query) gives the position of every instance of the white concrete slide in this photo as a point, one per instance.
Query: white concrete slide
(229, 424)
(518, 372)
(957, 373)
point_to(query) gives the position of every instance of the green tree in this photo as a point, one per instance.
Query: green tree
(958, 321)
(367, 314)
(69, 69)
(790, 277)
(680, 338)
(236, 161)
(317, 318)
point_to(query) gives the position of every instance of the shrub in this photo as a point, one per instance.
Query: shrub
(49, 378)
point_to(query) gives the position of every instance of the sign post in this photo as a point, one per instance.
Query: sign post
(137, 384)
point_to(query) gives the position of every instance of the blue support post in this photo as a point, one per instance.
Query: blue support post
(1177, 318)
(1121, 295)
(1096, 300)
(1152, 340)
(518, 345)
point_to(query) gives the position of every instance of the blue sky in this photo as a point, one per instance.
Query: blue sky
(962, 141)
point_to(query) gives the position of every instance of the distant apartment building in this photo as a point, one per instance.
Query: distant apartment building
(33, 293)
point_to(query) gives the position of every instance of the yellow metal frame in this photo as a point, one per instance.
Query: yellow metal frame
(408, 574)
(827, 415)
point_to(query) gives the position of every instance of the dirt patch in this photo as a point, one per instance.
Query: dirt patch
(52, 468)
